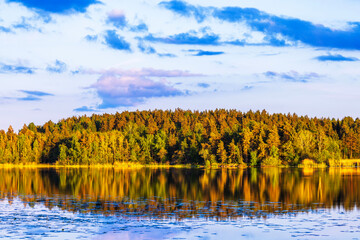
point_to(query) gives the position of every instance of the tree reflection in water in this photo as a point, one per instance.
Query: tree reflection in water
(184, 193)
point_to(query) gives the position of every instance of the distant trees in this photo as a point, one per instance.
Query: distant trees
(209, 137)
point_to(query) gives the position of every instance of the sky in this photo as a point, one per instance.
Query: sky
(66, 58)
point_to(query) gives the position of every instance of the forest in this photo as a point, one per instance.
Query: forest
(215, 137)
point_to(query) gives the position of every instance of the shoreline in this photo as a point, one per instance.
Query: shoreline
(119, 166)
(138, 166)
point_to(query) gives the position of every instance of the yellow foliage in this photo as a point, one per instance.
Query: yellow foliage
(308, 162)
(349, 162)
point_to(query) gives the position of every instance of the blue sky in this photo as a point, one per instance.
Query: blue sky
(73, 57)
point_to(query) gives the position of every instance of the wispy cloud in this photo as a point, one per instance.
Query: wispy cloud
(23, 24)
(118, 19)
(190, 38)
(203, 85)
(292, 76)
(85, 109)
(5, 29)
(91, 38)
(145, 48)
(247, 88)
(197, 52)
(32, 95)
(29, 98)
(184, 9)
(166, 55)
(206, 37)
(118, 87)
(5, 68)
(36, 93)
(113, 40)
(336, 58)
(141, 27)
(277, 29)
(57, 6)
(57, 67)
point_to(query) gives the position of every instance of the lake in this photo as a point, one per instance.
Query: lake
(174, 203)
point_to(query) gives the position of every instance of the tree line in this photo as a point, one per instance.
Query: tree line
(184, 137)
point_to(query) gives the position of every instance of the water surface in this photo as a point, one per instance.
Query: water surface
(179, 203)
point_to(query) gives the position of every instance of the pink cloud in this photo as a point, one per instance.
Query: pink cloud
(117, 18)
(145, 72)
(117, 87)
(116, 14)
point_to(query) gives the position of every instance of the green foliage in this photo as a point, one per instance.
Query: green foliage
(253, 158)
(62, 154)
(186, 137)
(273, 159)
(207, 164)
